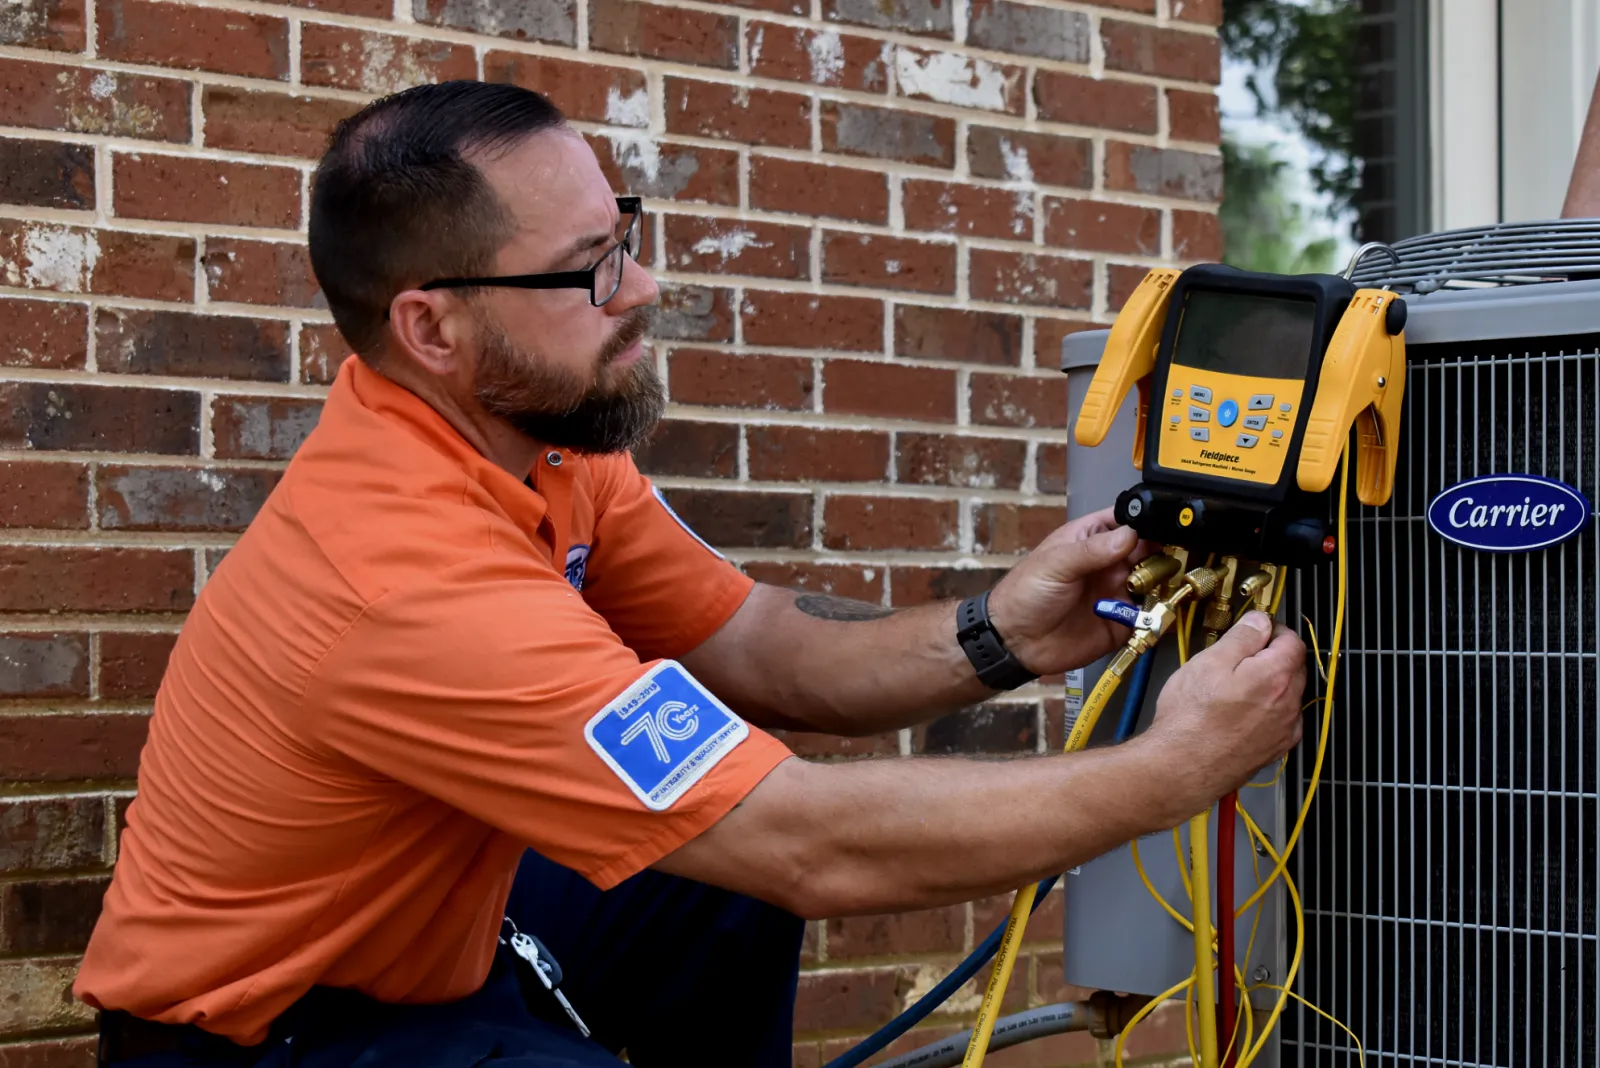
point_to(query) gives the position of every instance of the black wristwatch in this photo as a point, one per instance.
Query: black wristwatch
(997, 668)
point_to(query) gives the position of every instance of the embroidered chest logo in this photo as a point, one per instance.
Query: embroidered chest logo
(577, 565)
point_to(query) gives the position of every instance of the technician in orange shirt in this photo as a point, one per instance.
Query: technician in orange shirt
(466, 678)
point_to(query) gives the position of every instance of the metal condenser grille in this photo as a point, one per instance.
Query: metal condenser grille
(1449, 868)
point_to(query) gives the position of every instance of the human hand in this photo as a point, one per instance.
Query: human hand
(1232, 710)
(1044, 608)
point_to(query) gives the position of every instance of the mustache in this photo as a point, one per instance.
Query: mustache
(635, 325)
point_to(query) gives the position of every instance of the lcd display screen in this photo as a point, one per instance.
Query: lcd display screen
(1246, 334)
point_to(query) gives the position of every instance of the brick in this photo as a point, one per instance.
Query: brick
(995, 727)
(50, 334)
(49, 496)
(1121, 280)
(214, 558)
(820, 57)
(922, 333)
(836, 1000)
(818, 190)
(84, 100)
(960, 81)
(36, 995)
(969, 210)
(1020, 401)
(180, 498)
(132, 663)
(54, 579)
(1047, 159)
(72, 418)
(968, 462)
(322, 350)
(1142, 7)
(926, 931)
(693, 313)
(44, 665)
(1098, 226)
(1044, 927)
(47, 174)
(857, 130)
(1108, 103)
(1050, 469)
(49, 916)
(734, 246)
(888, 262)
(1022, 29)
(1196, 235)
(910, 586)
(276, 124)
(729, 380)
(77, 1052)
(891, 391)
(739, 520)
(889, 523)
(195, 38)
(930, 17)
(382, 9)
(180, 189)
(184, 343)
(1004, 529)
(1144, 49)
(691, 450)
(1203, 12)
(1193, 116)
(51, 747)
(54, 24)
(1030, 278)
(261, 428)
(840, 580)
(737, 113)
(640, 165)
(631, 28)
(343, 58)
(52, 834)
(782, 7)
(585, 92)
(828, 746)
(261, 272)
(1048, 335)
(852, 324)
(554, 21)
(805, 454)
(71, 259)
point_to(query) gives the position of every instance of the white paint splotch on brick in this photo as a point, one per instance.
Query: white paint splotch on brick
(631, 109)
(1015, 159)
(56, 257)
(950, 78)
(728, 245)
(827, 56)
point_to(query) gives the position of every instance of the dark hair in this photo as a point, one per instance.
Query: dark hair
(394, 203)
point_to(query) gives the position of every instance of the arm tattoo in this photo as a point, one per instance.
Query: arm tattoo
(842, 609)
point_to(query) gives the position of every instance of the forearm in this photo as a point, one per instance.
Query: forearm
(814, 663)
(879, 836)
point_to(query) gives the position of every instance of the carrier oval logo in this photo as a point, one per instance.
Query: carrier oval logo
(1509, 513)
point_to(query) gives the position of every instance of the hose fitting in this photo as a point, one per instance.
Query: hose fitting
(1151, 573)
(1110, 1014)
(1219, 614)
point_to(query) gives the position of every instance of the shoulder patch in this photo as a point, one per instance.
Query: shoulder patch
(663, 734)
(676, 518)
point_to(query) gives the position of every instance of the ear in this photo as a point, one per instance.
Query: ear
(433, 328)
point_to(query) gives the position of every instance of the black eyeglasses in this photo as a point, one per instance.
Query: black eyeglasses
(602, 280)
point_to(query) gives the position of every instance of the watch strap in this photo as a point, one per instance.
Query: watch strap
(997, 668)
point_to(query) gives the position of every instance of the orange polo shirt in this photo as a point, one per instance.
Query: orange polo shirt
(411, 667)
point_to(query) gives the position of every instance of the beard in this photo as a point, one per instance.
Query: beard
(613, 411)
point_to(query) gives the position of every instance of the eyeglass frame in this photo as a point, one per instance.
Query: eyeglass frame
(583, 279)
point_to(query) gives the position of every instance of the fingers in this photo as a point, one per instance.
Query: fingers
(1244, 639)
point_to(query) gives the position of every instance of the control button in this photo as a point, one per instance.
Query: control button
(1255, 422)
(1186, 517)
(1198, 415)
(1227, 412)
(1285, 407)
(1246, 441)
(1177, 419)
(1277, 433)
(1261, 402)
(1199, 433)
(1177, 394)
(1200, 394)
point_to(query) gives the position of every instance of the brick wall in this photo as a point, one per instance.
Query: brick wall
(875, 220)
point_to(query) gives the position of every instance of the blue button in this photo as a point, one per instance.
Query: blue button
(1227, 412)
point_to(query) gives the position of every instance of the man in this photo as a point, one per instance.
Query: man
(467, 677)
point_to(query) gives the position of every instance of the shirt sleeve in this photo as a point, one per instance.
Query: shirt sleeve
(662, 589)
(477, 689)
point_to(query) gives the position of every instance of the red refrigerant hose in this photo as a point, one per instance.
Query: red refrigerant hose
(1226, 819)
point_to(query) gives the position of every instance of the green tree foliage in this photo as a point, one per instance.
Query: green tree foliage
(1263, 228)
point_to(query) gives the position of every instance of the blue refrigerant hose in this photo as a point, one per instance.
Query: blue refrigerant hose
(1134, 704)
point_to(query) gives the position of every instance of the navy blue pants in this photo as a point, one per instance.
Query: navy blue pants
(672, 971)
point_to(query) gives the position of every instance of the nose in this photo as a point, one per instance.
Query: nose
(638, 288)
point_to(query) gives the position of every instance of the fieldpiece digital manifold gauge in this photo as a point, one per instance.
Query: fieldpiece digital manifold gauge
(1248, 387)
